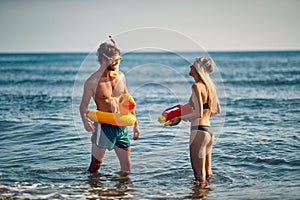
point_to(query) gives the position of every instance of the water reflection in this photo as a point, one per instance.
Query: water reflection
(109, 186)
(199, 190)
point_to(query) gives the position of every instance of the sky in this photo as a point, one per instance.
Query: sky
(216, 25)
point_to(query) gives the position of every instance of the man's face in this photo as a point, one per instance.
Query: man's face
(113, 63)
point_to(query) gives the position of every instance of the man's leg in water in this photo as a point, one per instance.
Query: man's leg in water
(97, 158)
(124, 158)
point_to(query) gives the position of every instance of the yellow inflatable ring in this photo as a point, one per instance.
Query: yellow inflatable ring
(124, 118)
(115, 119)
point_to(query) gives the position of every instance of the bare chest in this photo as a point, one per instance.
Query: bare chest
(109, 88)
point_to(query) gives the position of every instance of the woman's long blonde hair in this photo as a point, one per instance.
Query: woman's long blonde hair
(204, 67)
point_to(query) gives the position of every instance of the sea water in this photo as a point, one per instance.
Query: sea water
(45, 152)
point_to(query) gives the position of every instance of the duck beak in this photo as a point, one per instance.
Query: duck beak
(131, 104)
(127, 104)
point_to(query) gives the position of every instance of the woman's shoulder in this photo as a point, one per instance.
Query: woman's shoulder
(198, 86)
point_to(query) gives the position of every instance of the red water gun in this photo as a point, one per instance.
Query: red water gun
(175, 111)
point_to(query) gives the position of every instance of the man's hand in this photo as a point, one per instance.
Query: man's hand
(136, 132)
(88, 125)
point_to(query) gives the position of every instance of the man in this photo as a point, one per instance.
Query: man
(106, 86)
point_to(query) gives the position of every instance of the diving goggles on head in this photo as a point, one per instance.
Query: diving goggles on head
(114, 58)
(114, 61)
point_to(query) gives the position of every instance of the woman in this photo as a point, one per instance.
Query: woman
(205, 103)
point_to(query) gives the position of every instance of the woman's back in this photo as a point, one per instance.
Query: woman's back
(200, 91)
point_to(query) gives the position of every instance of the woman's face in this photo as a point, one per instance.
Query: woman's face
(193, 71)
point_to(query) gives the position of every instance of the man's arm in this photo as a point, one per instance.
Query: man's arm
(86, 97)
(136, 129)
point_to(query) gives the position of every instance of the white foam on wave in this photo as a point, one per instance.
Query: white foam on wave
(40, 191)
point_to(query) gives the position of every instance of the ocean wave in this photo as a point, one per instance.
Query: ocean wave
(264, 83)
(39, 82)
(25, 98)
(27, 190)
(257, 103)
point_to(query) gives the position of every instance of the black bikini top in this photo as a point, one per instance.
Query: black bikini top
(205, 106)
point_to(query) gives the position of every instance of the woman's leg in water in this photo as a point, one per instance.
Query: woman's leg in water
(198, 145)
(208, 169)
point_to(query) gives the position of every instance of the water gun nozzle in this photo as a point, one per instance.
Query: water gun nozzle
(161, 119)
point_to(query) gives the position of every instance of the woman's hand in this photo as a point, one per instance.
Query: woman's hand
(175, 121)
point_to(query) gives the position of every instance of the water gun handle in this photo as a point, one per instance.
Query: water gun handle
(169, 123)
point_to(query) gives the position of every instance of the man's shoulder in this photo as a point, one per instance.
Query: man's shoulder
(92, 78)
(121, 74)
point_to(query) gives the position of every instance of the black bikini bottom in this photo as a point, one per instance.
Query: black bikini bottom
(202, 128)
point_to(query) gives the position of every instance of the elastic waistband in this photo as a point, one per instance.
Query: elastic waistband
(104, 124)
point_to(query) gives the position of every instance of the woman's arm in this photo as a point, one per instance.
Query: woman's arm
(197, 112)
(198, 109)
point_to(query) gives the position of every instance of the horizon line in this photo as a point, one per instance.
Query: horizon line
(177, 51)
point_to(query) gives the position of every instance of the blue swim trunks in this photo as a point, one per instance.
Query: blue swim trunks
(108, 136)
